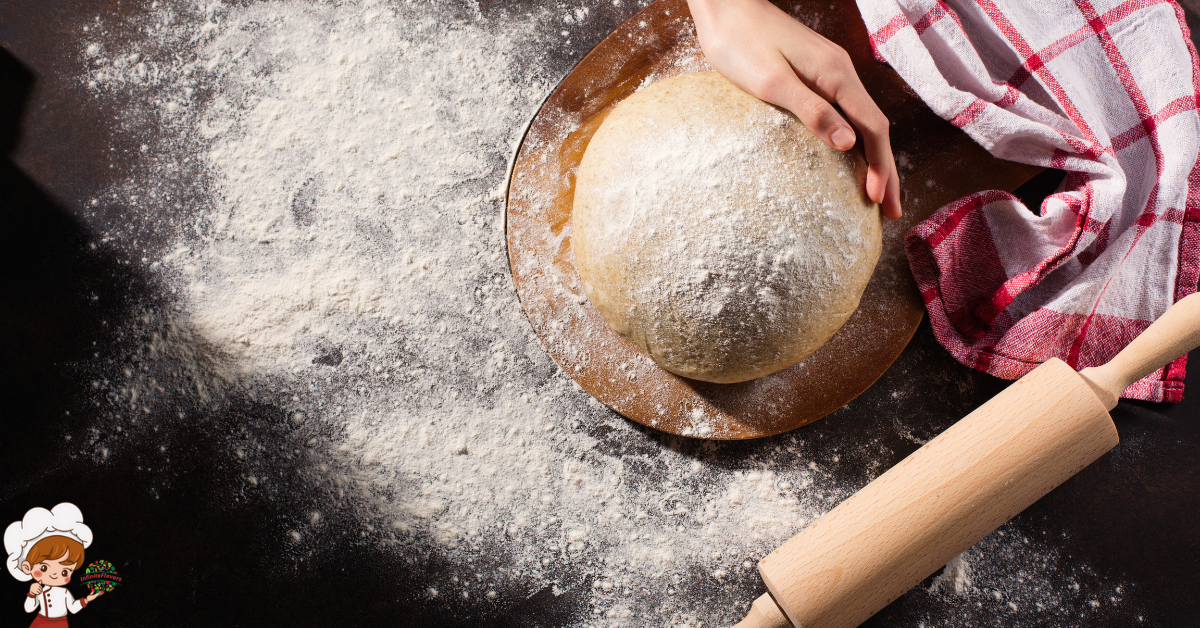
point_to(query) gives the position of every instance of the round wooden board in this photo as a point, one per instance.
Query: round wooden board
(938, 164)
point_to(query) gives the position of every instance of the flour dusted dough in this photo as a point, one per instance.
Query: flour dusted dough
(717, 233)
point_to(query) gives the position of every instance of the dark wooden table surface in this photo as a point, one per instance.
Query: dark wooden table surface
(1131, 517)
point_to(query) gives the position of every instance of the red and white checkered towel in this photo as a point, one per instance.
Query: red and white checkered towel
(1105, 90)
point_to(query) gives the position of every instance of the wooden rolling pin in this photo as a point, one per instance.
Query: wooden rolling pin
(959, 487)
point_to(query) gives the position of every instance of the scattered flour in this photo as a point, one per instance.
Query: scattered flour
(345, 254)
(955, 578)
(1013, 578)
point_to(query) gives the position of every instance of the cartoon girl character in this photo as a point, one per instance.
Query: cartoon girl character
(46, 546)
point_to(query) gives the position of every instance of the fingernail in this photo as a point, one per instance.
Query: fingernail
(843, 138)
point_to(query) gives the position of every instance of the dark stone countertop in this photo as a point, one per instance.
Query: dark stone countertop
(1131, 517)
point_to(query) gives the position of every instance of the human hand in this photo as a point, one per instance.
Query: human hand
(768, 54)
(35, 588)
(94, 595)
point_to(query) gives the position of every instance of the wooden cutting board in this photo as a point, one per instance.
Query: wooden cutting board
(938, 164)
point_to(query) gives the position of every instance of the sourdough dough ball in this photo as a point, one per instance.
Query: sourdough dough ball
(717, 233)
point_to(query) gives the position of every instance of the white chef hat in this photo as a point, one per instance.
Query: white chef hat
(64, 519)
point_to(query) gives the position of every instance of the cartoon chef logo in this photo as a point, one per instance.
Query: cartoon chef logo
(47, 547)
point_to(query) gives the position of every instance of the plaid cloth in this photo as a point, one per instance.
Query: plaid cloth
(1104, 90)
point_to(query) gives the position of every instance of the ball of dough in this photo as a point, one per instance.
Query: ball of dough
(717, 233)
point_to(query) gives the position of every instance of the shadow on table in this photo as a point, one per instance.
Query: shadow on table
(199, 535)
(62, 297)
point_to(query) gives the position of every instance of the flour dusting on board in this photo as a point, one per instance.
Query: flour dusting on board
(345, 259)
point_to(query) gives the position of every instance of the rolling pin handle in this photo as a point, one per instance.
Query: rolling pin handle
(1176, 332)
(764, 613)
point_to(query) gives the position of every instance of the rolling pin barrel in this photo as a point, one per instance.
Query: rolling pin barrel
(958, 487)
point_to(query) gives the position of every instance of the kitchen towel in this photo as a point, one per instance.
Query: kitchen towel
(1105, 91)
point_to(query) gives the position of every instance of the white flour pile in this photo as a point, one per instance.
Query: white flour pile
(346, 254)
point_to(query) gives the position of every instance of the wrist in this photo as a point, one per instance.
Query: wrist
(83, 603)
(722, 25)
(714, 8)
(31, 594)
